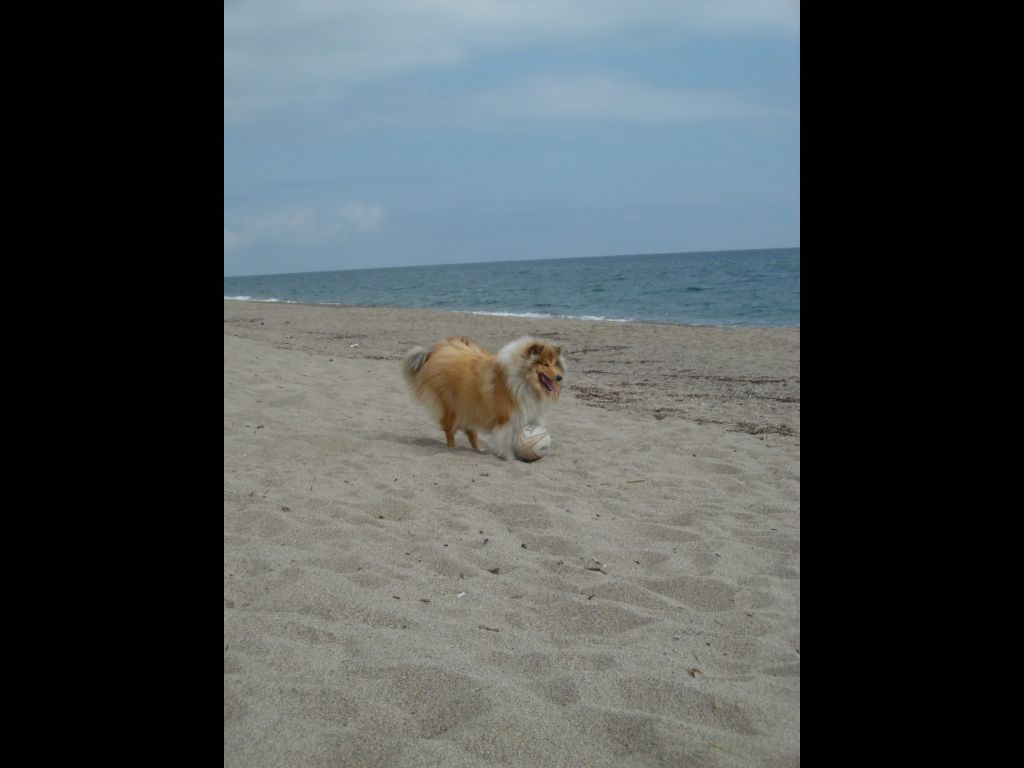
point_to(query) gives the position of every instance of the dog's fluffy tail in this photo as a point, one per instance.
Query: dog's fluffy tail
(412, 362)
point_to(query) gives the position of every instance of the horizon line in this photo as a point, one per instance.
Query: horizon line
(517, 261)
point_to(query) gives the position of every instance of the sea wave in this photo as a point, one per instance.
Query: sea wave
(541, 315)
(250, 298)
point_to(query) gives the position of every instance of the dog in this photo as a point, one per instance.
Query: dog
(468, 388)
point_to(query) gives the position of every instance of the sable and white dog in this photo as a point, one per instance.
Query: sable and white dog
(468, 388)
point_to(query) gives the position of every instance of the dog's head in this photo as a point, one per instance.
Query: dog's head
(545, 368)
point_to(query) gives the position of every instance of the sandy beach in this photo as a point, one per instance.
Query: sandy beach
(633, 598)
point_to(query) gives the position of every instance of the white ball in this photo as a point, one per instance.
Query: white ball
(533, 442)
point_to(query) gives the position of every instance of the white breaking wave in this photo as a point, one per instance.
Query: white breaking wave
(535, 315)
(511, 314)
(250, 298)
(560, 317)
(598, 317)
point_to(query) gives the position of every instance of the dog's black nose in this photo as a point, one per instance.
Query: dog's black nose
(558, 378)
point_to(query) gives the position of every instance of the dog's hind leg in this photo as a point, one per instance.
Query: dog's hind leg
(448, 425)
(472, 440)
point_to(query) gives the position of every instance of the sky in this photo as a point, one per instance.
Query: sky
(382, 133)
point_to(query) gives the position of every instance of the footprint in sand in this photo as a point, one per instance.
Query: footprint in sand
(702, 594)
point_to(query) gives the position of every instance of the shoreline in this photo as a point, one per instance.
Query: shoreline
(523, 316)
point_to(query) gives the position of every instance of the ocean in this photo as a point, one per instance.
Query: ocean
(752, 288)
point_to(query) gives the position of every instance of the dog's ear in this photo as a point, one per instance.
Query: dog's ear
(534, 351)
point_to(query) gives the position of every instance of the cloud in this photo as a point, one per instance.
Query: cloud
(280, 53)
(301, 226)
(361, 217)
(231, 240)
(610, 98)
